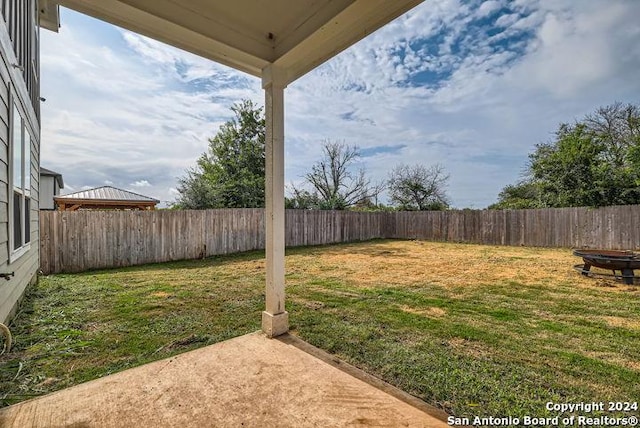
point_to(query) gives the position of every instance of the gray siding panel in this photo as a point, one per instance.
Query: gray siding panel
(46, 192)
(12, 291)
(4, 111)
(4, 95)
(26, 266)
(4, 253)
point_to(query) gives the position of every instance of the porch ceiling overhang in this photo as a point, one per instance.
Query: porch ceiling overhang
(293, 35)
(48, 15)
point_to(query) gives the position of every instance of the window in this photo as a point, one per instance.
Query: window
(20, 198)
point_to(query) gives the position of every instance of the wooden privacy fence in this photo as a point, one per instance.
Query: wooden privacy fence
(74, 241)
(82, 240)
(616, 227)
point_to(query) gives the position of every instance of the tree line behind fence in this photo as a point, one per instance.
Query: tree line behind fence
(78, 241)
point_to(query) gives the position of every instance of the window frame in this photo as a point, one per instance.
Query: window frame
(25, 193)
(35, 42)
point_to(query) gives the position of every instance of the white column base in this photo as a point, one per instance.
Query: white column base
(275, 325)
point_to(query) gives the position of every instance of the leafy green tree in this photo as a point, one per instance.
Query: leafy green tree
(231, 173)
(335, 185)
(566, 171)
(594, 162)
(196, 192)
(418, 188)
(302, 200)
(518, 196)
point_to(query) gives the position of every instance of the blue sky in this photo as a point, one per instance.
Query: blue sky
(471, 85)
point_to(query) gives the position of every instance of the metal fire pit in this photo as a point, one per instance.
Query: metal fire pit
(623, 261)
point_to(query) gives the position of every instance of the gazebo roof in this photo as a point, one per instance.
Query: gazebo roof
(105, 197)
(293, 35)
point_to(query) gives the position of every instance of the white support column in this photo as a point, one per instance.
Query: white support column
(275, 320)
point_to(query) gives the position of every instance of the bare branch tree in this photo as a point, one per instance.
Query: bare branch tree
(418, 187)
(333, 180)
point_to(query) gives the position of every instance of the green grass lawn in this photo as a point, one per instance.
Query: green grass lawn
(472, 329)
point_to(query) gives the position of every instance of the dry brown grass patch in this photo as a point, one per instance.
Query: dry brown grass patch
(613, 358)
(631, 324)
(468, 347)
(161, 294)
(469, 265)
(432, 312)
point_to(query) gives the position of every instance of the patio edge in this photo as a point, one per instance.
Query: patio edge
(332, 360)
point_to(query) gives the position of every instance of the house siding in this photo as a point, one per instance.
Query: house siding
(13, 81)
(47, 189)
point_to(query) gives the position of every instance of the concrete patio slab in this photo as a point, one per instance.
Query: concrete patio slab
(246, 381)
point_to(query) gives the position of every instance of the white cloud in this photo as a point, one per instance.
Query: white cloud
(488, 7)
(494, 107)
(117, 109)
(129, 107)
(141, 183)
(574, 53)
